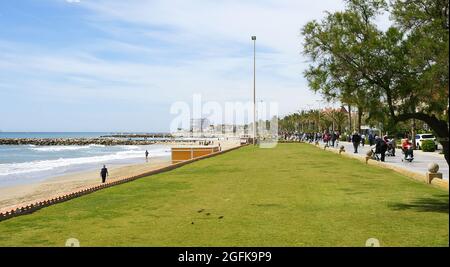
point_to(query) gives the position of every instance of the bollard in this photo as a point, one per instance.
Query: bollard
(433, 173)
(368, 155)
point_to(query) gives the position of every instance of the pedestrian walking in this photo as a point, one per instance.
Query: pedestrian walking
(356, 140)
(104, 173)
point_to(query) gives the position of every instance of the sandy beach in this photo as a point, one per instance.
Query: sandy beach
(13, 196)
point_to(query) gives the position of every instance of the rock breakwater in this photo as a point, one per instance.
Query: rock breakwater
(73, 141)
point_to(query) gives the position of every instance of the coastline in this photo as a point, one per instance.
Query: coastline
(15, 195)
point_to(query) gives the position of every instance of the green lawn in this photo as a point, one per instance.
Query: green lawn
(294, 195)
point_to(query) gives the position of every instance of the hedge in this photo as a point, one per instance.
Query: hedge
(428, 146)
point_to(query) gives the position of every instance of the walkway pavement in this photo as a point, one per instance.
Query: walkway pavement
(419, 164)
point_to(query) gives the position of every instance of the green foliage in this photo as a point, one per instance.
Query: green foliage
(427, 24)
(339, 119)
(428, 146)
(313, 121)
(393, 75)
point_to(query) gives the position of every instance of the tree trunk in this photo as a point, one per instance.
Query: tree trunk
(413, 133)
(360, 113)
(349, 119)
(445, 145)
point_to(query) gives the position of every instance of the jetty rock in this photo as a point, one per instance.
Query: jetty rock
(73, 141)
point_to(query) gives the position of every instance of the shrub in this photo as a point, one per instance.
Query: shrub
(343, 138)
(428, 146)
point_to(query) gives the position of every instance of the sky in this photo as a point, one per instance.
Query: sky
(114, 65)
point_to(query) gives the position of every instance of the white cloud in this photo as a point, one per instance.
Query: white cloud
(203, 47)
(205, 25)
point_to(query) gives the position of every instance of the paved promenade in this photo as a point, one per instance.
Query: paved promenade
(419, 164)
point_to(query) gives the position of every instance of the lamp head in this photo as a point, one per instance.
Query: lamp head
(253, 38)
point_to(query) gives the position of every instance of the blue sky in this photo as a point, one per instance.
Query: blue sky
(114, 65)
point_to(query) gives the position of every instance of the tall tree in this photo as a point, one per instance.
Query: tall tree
(404, 69)
(339, 119)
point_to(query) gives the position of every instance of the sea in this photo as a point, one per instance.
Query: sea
(25, 164)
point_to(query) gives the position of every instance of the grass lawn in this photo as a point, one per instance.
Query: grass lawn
(294, 195)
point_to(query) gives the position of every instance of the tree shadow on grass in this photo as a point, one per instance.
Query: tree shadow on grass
(438, 203)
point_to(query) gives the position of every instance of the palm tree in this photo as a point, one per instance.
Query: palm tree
(339, 119)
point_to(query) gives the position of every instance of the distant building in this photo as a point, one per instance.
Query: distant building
(203, 128)
(198, 126)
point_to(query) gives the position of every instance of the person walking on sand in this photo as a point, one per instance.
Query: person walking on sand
(104, 173)
(146, 154)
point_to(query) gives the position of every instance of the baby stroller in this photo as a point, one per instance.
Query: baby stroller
(390, 152)
(375, 155)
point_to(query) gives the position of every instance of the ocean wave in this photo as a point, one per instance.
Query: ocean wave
(48, 165)
(62, 148)
(131, 147)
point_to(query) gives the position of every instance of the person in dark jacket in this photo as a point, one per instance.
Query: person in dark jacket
(104, 173)
(381, 148)
(356, 140)
(333, 139)
(371, 139)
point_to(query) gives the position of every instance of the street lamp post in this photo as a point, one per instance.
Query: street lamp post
(258, 117)
(254, 89)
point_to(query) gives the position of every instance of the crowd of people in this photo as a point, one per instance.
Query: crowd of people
(380, 146)
(329, 138)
